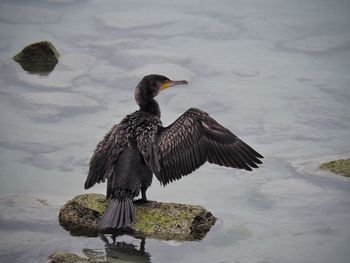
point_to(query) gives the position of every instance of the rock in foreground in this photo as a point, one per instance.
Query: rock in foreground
(167, 221)
(341, 166)
(40, 57)
(60, 257)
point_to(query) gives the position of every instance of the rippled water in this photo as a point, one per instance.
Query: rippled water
(274, 72)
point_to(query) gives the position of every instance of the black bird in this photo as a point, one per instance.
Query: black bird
(139, 146)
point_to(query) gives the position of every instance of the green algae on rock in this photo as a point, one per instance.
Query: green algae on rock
(81, 214)
(341, 167)
(61, 257)
(38, 58)
(158, 220)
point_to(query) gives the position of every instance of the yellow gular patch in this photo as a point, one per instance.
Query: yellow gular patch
(165, 86)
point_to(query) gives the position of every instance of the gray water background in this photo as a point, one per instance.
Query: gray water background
(276, 73)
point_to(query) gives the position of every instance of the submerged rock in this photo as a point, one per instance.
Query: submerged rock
(341, 166)
(167, 221)
(40, 57)
(61, 257)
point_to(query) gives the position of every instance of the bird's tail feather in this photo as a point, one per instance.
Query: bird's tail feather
(118, 214)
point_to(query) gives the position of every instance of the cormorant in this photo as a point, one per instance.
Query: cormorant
(139, 146)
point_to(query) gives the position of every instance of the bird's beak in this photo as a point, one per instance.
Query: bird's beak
(173, 83)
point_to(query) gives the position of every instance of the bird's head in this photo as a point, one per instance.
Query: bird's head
(151, 85)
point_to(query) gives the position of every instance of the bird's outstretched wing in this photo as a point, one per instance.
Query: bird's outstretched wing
(193, 139)
(106, 154)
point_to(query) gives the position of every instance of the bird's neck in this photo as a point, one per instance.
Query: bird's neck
(150, 105)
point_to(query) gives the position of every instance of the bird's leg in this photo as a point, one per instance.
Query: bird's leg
(143, 198)
(143, 194)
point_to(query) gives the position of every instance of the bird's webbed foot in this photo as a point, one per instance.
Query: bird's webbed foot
(141, 201)
(143, 198)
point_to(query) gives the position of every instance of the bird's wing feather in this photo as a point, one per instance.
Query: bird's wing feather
(106, 154)
(193, 139)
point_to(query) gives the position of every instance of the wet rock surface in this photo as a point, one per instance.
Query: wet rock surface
(341, 167)
(38, 58)
(61, 257)
(168, 221)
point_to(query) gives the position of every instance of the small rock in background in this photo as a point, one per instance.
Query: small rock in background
(38, 58)
(341, 167)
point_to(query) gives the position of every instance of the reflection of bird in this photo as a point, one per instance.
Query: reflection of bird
(139, 146)
(119, 251)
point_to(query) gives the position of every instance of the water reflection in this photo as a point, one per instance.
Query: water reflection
(119, 251)
(38, 68)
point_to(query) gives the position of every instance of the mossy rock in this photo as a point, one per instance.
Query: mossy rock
(341, 166)
(40, 57)
(61, 257)
(168, 221)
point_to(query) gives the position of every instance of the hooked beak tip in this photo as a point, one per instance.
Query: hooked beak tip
(178, 82)
(173, 83)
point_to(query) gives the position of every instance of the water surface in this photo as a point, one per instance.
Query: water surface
(274, 72)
